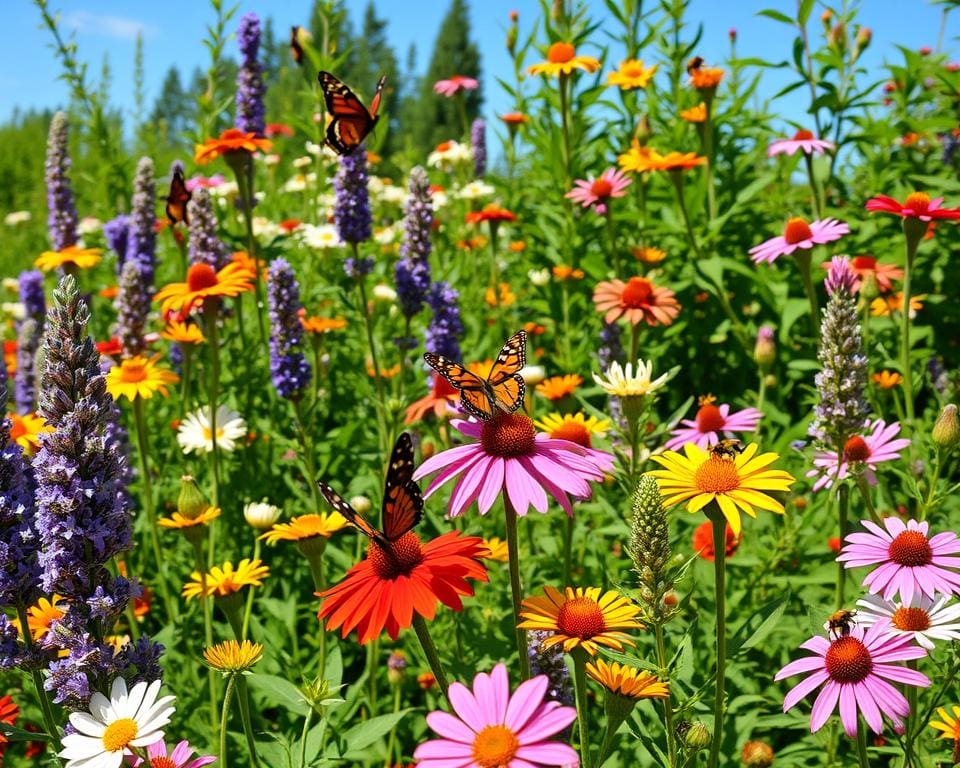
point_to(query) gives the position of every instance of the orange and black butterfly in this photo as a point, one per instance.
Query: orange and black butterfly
(296, 50)
(502, 390)
(402, 501)
(351, 120)
(177, 199)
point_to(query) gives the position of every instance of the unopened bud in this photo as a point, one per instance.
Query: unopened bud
(862, 40)
(644, 130)
(826, 17)
(697, 737)
(261, 515)
(533, 374)
(361, 504)
(868, 286)
(191, 502)
(765, 350)
(757, 754)
(671, 599)
(732, 33)
(427, 449)
(946, 430)
(396, 667)
(838, 36)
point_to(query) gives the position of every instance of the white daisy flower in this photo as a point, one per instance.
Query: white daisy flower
(320, 237)
(261, 514)
(194, 433)
(302, 162)
(925, 618)
(475, 190)
(539, 277)
(88, 225)
(133, 718)
(15, 218)
(263, 227)
(449, 154)
(623, 382)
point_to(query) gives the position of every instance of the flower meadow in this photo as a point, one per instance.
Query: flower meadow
(621, 432)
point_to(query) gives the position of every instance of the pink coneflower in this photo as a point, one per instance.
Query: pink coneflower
(157, 757)
(454, 85)
(867, 266)
(909, 562)
(853, 670)
(799, 234)
(510, 456)
(861, 453)
(491, 728)
(918, 205)
(704, 430)
(610, 184)
(924, 619)
(804, 140)
(198, 182)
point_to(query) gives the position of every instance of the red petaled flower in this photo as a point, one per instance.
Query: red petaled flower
(277, 129)
(703, 541)
(385, 589)
(9, 712)
(491, 212)
(918, 205)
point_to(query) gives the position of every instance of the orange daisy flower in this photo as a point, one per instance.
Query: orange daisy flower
(203, 283)
(676, 161)
(886, 379)
(562, 59)
(631, 74)
(321, 325)
(705, 78)
(10, 356)
(81, 258)
(697, 114)
(440, 401)
(884, 306)
(559, 387)
(563, 272)
(505, 299)
(514, 118)
(182, 332)
(385, 589)
(25, 431)
(638, 299)
(648, 255)
(231, 140)
(638, 159)
(491, 212)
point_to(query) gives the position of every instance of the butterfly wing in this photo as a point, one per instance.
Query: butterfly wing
(177, 199)
(375, 101)
(505, 380)
(353, 517)
(402, 501)
(351, 120)
(474, 396)
(296, 50)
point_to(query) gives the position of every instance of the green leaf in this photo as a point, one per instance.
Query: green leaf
(12, 733)
(806, 6)
(279, 691)
(770, 13)
(758, 626)
(365, 734)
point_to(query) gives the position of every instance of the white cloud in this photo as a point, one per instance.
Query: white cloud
(118, 27)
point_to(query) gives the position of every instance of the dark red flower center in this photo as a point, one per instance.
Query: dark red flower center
(601, 188)
(162, 762)
(910, 619)
(856, 449)
(864, 263)
(581, 617)
(796, 231)
(637, 293)
(911, 549)
(200, 277)
(802, 136)
(918, 202)
(709, 418)
(848, 660)
(508, 435)
(405, 554)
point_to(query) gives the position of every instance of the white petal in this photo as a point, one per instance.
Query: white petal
(87, 724)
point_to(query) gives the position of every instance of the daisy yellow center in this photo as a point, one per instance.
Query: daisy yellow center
(405, 554)
(856, 449)
(200, 277)
(581, 617)
(709, 418)
(796, 231)
(848, 660)
(910, 619)
(119, 734)
(637, 293)
(561, 53)
(495, 746)
(162, 762)
(918, 201)
(508, 435)
(802, 136)
(601, 188)
(632, 69)
(573, 431)
(911, 549)
(133, 371)
(717, 474)
(864, 263)
(208, 435)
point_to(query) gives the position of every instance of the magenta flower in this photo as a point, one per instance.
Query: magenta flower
(861, 454)
(492, 728)
(909, 562)
(804, 140)
(454, 85)
(711, 423)
(853, 670)
(798, 234)
(179, 758)
(587, 192)
(511, 456)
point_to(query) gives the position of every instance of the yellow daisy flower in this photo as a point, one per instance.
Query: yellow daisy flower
(306, 527)
(562, 59)
(139, 377)
(574, 427)
(42, 615)
(581, 618)
(631, 74)
(884, 306)
(629, 682)
(232, 656)
(183, 333)
(25, 431)
(179, 521)
(648, 255)
(949, 725)
(496, 549)
(638, 159)
(224, 580)
(735, 484)
(81, 258)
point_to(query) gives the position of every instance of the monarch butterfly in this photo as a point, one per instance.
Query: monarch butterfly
(402, 502)
(177, 199)
(503, 389)
(351, 120)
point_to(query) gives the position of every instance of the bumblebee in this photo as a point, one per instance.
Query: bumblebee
(694, 64)
(727, 449)
(840, 622)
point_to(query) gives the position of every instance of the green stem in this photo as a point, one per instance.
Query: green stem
(719, 574)
(612, 237)
(207, 604)
(817, 206)
(308, 457)
(373, 651)
(244, 700)
(224, 716)
(864, 487)
(515, 588)
(319, 585)
(248, 607)
(303, 738)
(185, 381)
(392, 740)
(905, 371)
(494, 268)
(634, 343)
(580, 684)
(909, 759)
(708, 168)
(567, 550)
(565, 307)
(565, 125)
(843, 505)
(677, 178)
(804, 259)
(377, 379)
(664, 674)
(430, 651)
(862, 745)
(213, 344)
(932, 491)
(48, 720)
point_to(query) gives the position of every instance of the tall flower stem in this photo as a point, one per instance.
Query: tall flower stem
(243, 699)
(244, 172)
(513, 553)
(565, 125)
(843, 506)
(814, 186)
(913, 229)
(494, 268)
(612, 237)
(224, 716)
(567, 549)
(677, 178)
(864, 487)
(185, 381)
(309, 463)
(207, 604)
(48, 721)
(580, 685)
(307, 722)
(143, 452)
(430, 651)
(719, 575)
(213, 344)
(248, 606)
(804, 259)
(663, 674)
(708, 168)
(862, 744)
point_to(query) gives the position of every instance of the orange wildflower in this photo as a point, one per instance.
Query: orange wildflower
(563, 272)
(638, 299)
(558, 387)
(231, 140)
(697, 114)
(203, 283)
(562, 59)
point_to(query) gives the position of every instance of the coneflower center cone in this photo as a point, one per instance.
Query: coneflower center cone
(495, 746)
(856, 449)
(910, 549)
(162, 762)
(802, 135)
(848, 660)
(119, 734)
(717, 474)
(918, 201)
(405, 555)
(561, 53)
(910, 619)
(637, 293)
(508, 435)
(601, 188)
(709, 418)
(200, 277)
(796, 231)
(581, 617)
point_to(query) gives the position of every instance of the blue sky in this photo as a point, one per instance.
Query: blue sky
(172, 31)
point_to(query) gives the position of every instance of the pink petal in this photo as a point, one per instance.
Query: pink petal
(450, 727)
(466, 707)
(525, 701)
(824, 705)
(548, 753)
(492, 485)
(804, 687)
(848, 710)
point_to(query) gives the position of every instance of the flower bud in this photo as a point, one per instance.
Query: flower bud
(765, 350)
(697, 737)
(191, 502)
(732, 34)
(533, 374)
(837, 38)
(756, 754)
(426, 680)
(826, 17)
(427, 449)
(946, 430)
(261, 514)
(361, 504)
(862, 40)
(396, 667)
(671, 600)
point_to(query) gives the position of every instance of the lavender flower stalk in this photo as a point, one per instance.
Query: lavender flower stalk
(61, 211)
(133, 305)
(250, 87)
(142, 238)
(478, 141)
(550, 662)
(351, 212)
(412, 273)
(205, 246)
(288, 365)
(31, 294)
(117, 234)
(842, 381)
(446, 327)
(29, 337)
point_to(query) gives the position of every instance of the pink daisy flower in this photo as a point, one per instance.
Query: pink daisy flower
(798, 234)
(198, 182)
(490, 727)
(454, 85)
(705, 429)
(804, 140)
(610, 184)
(909, 562)
(179, 758)
(854, 670)
(510, 456)
(860, 453)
